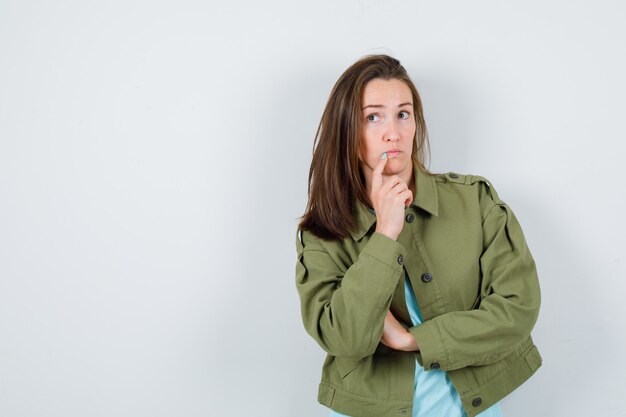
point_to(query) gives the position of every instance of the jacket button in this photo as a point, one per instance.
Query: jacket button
(453, 175)
(426, 277)
(410, 217)
(435, 365)
(400, 259)
(477, 401)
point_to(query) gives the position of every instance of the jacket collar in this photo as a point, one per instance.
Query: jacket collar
(425, 197)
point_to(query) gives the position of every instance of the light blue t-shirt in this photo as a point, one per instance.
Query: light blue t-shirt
(434, 393)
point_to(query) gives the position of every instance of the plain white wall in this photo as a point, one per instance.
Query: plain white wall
(153, 163)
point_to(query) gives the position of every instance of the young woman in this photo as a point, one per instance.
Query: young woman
(419, 286)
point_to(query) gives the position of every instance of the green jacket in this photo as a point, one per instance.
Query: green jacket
(475, 282)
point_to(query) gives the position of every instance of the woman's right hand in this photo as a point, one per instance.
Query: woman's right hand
(389, 200)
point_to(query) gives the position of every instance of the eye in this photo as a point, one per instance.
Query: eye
(371, 115)
(407, 114)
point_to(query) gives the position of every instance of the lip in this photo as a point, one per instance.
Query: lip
(393, 152)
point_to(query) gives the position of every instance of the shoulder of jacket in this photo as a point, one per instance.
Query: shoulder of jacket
(308, 240)
(304, 238)
(469, 179)
(453, 177)
(490, 188)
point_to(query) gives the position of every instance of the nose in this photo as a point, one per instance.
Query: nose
(392, 133)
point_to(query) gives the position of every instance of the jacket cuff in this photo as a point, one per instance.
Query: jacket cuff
(431, 346)
(386, 250)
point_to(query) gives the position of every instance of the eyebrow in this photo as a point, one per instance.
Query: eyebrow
(380, 105)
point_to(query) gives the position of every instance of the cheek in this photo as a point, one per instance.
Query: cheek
(365, 146)
(409, 127)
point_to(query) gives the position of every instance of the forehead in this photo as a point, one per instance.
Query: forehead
(387, 92)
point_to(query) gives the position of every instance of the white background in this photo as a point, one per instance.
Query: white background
(154, 159)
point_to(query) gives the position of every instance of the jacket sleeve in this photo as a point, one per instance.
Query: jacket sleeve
(344, 309)
(508, 309)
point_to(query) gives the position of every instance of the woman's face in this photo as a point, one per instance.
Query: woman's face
(387, 124)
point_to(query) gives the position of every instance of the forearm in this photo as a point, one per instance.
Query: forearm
(403, 341)
(477, 337)
(396, 336)
(344, 310)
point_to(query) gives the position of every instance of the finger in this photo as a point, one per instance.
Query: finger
(377, 174)
(398, 184)
(408, 195)
(392, 182)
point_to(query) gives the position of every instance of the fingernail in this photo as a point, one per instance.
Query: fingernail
(383, 156)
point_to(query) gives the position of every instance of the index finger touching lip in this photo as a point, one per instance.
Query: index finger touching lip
(377, 178)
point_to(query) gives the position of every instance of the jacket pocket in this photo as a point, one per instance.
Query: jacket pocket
(476, 302)
(345, 366)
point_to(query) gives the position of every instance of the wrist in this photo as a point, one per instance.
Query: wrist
(389, 235)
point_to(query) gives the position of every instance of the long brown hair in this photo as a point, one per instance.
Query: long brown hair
(336, 178)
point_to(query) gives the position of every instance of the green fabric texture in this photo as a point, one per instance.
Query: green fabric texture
(479, 306)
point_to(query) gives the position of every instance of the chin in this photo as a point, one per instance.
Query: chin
(396, 168)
